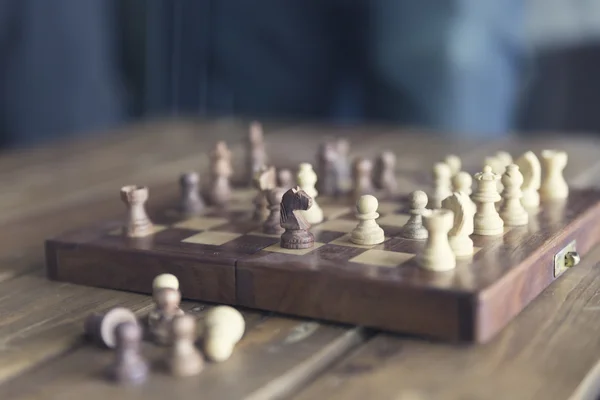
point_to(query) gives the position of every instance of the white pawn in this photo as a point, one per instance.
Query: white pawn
(554, 186)
(487, 220)
(307, 179)
(442, 177)
(462, 182)
(530, 168)
(454, 162)
(367, 232)
(437, 254)
(512, 211)
(222, 327)
(165, 281)
(464, 210)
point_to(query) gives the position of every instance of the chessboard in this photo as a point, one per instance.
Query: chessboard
(222, 256)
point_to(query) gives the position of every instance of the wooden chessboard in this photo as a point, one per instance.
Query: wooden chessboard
(221, 256)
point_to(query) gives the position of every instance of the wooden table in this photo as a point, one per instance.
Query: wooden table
(550, 351)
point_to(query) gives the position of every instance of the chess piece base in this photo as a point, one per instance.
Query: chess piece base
(297, 239)
(368, 238)
(130, 374)
(461, 246)
(433, 262)
(414, 231)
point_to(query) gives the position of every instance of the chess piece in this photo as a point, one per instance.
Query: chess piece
(462, 182)
(512, 211)
(530, 168)
(362, 178)
(184, 359)
(129, 368)
(167, 302)
(367, 232)
(296, 235)
(257, 155)
(272, 225)
(102, 327)
(386, 175)
(285, 179)
(165, 281)
(554, 186)
(463, 211)
(437, 254)
(190, 203)
(414, 229)
(487, 220)
(138, 224)
(504, 158)
(327, 165)
(307, 179)
(264, 180)
(455, 164)
(218, 193)
(223, 327)
(343, 170)
(442, 176)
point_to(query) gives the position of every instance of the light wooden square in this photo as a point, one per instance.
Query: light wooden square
(387, 207)
(337, 225)
(214, 238)
(276, 248)
(333, 211)
(157, 228)
(345, 241)
(201, 223)
(382, 258)
(393, 219)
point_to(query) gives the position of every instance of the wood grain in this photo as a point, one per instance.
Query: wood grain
(544, 354)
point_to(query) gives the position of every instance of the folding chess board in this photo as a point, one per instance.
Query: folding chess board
(222, 256)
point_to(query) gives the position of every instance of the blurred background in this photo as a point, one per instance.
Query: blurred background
(70, 68)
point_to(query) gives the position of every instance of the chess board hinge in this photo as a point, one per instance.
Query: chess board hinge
(566, 258)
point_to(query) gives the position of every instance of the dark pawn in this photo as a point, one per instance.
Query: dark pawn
(191, 202)
(272, 225)
(129, 368)
(296, 235)
(362, 178)
(184, 359)
(285, 179)
(343, 170)
(218, 192)
(167, 302)
(101, 327)
(414, 229)
(327, 169)
(385, 173)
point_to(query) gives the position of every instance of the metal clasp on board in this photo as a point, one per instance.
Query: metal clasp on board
(566, 258)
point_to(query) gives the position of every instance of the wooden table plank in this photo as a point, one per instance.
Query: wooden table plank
(543, 354)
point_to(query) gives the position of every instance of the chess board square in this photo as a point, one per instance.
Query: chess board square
(382, 258)
(388, 207)
(345, 241)
(276, 248)
(201, 223)
(337, 225)
(259, 232)
(393, 219)
(334, 211)
(212, 238)
(119, 231)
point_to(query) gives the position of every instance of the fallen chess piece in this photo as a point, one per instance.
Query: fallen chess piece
(184, 359)
(101, 327)
(160, 318)
(165, 281)
(222, 328)
(129, 367)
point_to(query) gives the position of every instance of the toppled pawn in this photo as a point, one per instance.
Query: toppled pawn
(160, 318)
(367, 232)
(296, 235)
(437, 254)
(272, 224)
(184, 359)
(414, 229)
(101, 328)
(191, 202)
(512, 211)
(129, 368)
(138, 224)
(222, 329)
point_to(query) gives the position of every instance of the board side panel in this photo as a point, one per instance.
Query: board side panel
(506, 298)
(135, 271)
